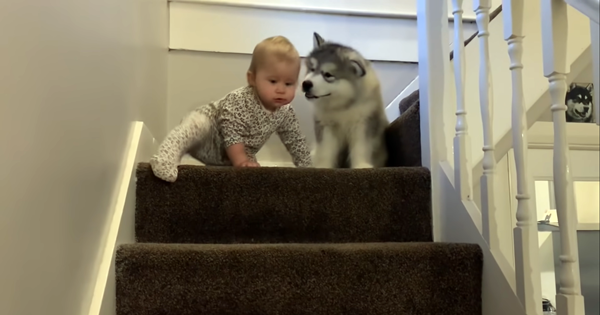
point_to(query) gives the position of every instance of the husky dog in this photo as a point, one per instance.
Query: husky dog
(350, 116)
(579, 103)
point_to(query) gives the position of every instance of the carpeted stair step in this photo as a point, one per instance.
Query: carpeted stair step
(284, 205)
(295, 279)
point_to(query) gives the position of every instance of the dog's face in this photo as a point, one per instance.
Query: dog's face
(334, 74)
(579, 102)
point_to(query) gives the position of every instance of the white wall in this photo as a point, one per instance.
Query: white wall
(73, 76)
(379, 34)
(406, 8)
(587, 200)
(503, 200)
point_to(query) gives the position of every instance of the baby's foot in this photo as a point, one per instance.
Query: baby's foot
(164, 168)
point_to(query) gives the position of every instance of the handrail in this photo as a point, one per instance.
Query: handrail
(403, 106)
(493, 15)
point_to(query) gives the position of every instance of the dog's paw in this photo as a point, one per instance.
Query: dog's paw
(163, 168)
(363, 165)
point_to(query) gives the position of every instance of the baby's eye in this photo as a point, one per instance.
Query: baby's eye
(272, 81)
(289, 84)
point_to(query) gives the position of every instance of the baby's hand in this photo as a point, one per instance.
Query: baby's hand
(247, 163)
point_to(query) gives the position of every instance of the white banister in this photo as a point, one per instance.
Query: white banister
(527, 267)
(488, 211)
(432, 22)
(554, 42)
(462, 147)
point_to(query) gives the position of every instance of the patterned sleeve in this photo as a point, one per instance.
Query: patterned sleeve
(294, 140)
(230, 120)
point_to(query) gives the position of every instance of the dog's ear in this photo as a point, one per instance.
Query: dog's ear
(317, 40)
(572, 86)
(590, 87)
(357, 68)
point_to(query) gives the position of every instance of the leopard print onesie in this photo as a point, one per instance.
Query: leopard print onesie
(238, 117)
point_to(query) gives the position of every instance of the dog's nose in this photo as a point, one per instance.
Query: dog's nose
(306, 86)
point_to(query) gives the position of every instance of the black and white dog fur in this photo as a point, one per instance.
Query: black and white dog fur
(579, 103)
(350, 118)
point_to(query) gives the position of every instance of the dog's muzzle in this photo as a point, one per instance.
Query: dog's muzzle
(307, 87)
(584, 110)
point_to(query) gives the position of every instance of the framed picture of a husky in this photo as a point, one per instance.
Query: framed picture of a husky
(580, 103)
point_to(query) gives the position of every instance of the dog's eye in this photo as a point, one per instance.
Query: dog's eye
(328, 75)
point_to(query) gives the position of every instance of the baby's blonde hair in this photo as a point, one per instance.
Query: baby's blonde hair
(277, 47)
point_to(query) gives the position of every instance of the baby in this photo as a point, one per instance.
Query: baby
(233, 129)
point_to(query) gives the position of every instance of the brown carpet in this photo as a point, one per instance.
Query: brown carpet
(292, 241)
(403, 137)
(295, 279)
(284, 205)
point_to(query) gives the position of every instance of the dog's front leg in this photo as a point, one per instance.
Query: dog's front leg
(361, 149)
(327, 150)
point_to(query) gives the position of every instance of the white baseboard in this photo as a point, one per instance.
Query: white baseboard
(374, 8)
(121, 229)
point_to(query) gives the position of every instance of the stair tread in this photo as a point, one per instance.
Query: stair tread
(284, 205)
(269, 279)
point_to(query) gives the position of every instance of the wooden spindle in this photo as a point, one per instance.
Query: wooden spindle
(488, 209)
(554, 42)
(463, 175)
(527, 268)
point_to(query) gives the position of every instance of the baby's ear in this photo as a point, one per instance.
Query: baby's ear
(251, 78)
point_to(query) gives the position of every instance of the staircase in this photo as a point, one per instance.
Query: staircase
(537, 94)
(270, 241)
(523, 66)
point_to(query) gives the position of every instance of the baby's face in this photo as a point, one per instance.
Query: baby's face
(276, 83)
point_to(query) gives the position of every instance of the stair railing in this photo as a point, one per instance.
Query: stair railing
(432, 69)
(554, 44)
(525, 234)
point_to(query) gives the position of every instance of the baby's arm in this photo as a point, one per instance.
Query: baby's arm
(238, 157)
(232, 126)
(179, 140)
(294, 140)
